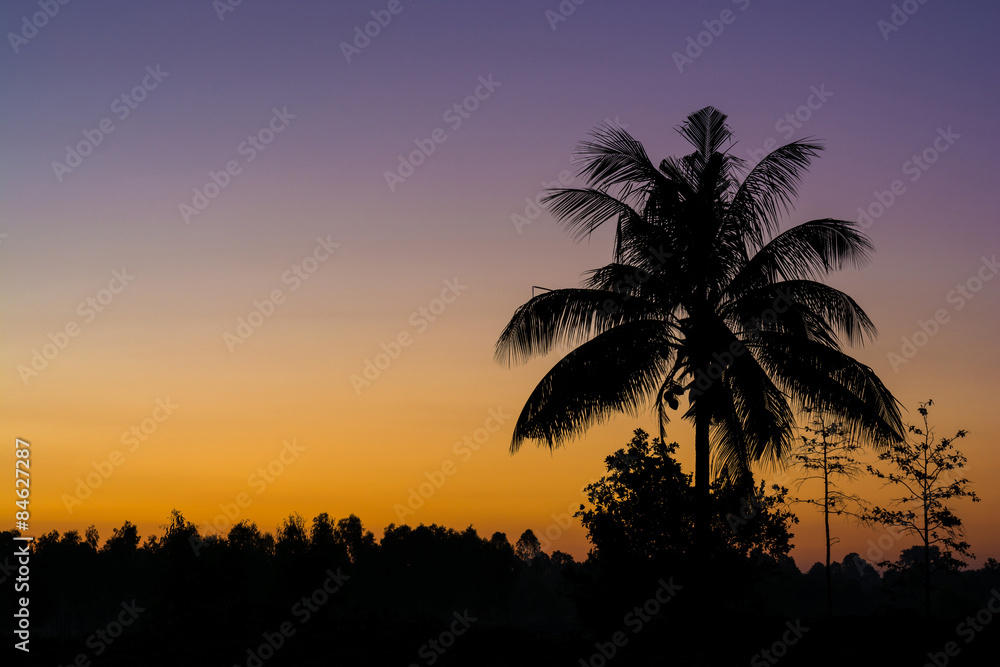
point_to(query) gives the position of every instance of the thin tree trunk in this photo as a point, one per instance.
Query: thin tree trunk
(926, 536)
(927, 569)
(702, 447)
(826, 519)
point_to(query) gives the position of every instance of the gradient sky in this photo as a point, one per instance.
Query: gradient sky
(888, 96)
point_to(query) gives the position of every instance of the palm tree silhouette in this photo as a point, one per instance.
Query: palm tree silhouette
(703, 299)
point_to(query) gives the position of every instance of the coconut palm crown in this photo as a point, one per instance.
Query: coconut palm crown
(705, 300)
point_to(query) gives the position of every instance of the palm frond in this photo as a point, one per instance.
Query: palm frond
(806, 251)
(706, 130)
(615, 159)
(770, 188)
(582, 210)
(615, 372)
(767, 421)
(820, 311)
(565, 317)
(833, 383)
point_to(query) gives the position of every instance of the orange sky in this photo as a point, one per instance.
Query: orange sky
(163, 334)
(362, 451)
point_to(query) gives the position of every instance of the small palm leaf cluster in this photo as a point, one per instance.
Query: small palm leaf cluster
(703, 300)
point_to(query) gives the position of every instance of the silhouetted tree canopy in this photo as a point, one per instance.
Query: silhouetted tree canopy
(644, 510)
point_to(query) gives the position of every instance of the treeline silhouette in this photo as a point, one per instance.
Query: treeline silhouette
(326, 590)
(215, 597)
